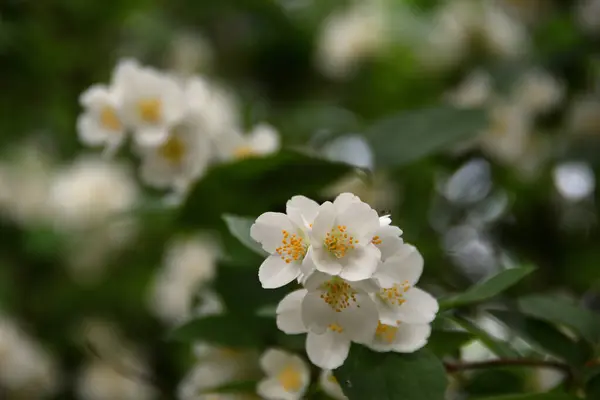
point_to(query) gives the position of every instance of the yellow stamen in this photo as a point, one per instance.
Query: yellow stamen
(338, 294)
(109, 119)
(150, 110)
(244, 152)
(173, 149)
(395, 294)
(338, 242)
(292, 247)
(386, 333)
(290, 378)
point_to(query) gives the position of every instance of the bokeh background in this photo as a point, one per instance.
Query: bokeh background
(476, 124)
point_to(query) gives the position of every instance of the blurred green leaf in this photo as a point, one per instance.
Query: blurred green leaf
(256, 185)
(447, 342)
(248, 387)
(532, 396)
(404, 138)
(389, 376)
(543, 335)
(559, 311)
(225, 330)
(487, 289)
(500, 348)
(240, 228)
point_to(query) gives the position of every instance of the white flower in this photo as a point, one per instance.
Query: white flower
(210, 107)
(331, 386)
(152, 102)
(261, 141)
(475, 91)
(285, 237)
(288, 376)
(189, 263)
(538, 91)
(341, 238)
(180, 160)
(349, 37)
(101, 123)
(102, 381)
(89, 191)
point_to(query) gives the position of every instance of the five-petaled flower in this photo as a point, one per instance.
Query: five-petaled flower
(287, 377)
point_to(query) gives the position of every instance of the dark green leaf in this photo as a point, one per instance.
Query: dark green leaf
(240, 228)
(501, 349)
(248, 387)
(405, 138)
(487, 289)
(447, 342)
(543, 335)
(532, 396)
(225, 330)
(559, 311)
(390, 376)
(241, 187)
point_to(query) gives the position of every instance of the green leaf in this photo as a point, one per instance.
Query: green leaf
(489, 288)
(256, 185)
(543, 335)
(559, 311)
(225, 330)
(390, 376)
(447, 342)
(240, 228)
(532, 396)
(501, 349)
(404, 138)
(248, 387)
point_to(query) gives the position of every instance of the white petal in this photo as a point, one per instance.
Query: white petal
(89, 132)
(317, 315)
(275, 272)
(361, 220)
(385, 220)
(389, 240)
(308, 265)
(274, 360)
(264, 139)
(271, 389)
(315, 280)
(359, 320)
(407, 338)
(267, 230)
(331, 386)
(420, 307)
(328, 350)
(289, 313)
(302, 210)
(325, 262)
(405, 265)
(323, 223)
(343, 200)
(361, 263)
(151, 136)
(94, 95)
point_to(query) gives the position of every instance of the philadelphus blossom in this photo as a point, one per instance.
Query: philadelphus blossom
(288, 376)
(331, 386)
(262, 140)
(358, 277)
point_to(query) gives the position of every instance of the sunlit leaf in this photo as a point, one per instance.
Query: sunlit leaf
(240, 228)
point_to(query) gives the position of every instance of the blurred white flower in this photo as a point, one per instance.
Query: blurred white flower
(584, 115)
(475, 91)
(261, 141)
(537, 91)
(188, 264)
(575, 181)
(331, 386)
(288, 376)
(349, 36)
(351, 149)
(101, 381)
(177, 162)
(101, 122)
(588, 15)
(190, 52)
(376, 190)
(25, 367)
(152, 102)
(469, 184)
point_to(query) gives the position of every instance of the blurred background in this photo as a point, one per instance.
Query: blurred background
(96, 265)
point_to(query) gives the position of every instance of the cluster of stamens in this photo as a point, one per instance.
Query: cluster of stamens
(335, 328)
(386, 332)
(150, 110)
(338, 242)
(292, 247)
(376, 240)
(173, 149)
(395, 294)
(109, 119)
(290, 378)
(338, 294)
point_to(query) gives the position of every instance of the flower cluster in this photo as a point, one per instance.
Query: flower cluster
(179, 126)
(358, 278)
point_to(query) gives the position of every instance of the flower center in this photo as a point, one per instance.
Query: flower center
(386, 333)
(173, 149)
(331, 378)
(338, 294)
(150, 110)
(243, 152)
(376, 240)
(338, 242)
(335, 328)
(290, 379)
(109, 119)
(292, 247)
(395, 294)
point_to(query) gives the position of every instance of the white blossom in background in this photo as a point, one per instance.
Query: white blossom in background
(101, 123)
(190, 52)
(262, 140)
(152, 101)
(118, 370)
(350, 36)
(189, 263)
(458, 22)
(331, 386)
(287, 376)
(575, 181)
(26, 369)
(588, 15)
(584, 115)
(179, 161)
(350, 294)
